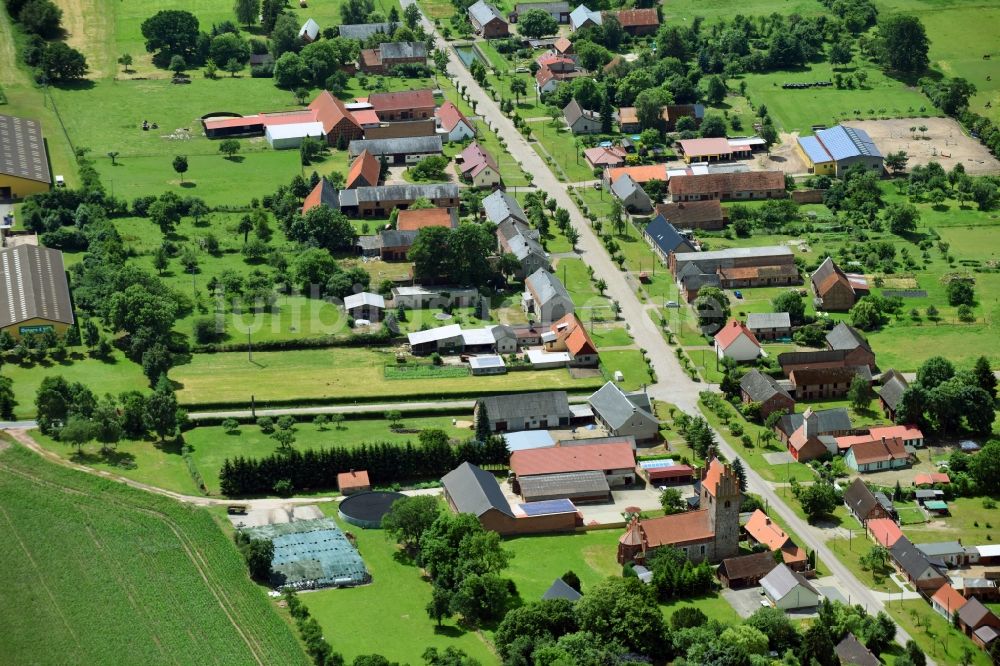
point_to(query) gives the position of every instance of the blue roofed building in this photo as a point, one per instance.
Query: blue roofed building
(832, 151)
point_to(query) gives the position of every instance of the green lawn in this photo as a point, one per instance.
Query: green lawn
(212, 446)
(575, 277)
(538, 560)
(935, 636)
(564, 148)
(157, 463)
(115, 375)
(631, 364)
(337, 374)
(388, 616)
(610, 335)
(714, 606)
(969, 521)
(99, 573)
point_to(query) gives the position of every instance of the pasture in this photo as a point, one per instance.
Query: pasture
(388, 616)
(339, 374)
(100, 573)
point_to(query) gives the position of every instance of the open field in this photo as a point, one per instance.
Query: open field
(538, 560)
(115, 375)
(388, 616)
(95, 566)
(969, 521)
(161, 464)
(935, 636)
(338, 374)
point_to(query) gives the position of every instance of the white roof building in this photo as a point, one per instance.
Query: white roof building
(290, 135)
(362, 299)
(434, 334)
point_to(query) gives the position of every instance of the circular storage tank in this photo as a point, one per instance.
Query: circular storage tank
(367, 509)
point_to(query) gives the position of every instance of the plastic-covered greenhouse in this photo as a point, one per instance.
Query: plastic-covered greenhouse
(310, 554)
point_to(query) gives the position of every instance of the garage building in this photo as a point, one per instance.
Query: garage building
(24, 160)
(34, 291)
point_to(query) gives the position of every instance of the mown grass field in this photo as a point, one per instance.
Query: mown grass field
(338, 374)
(98, 573)
(387, 617)
(935, 636)
(115, 375)
(160, 463)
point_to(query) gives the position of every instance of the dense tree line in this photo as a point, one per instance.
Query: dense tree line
(946, 400)
(386, 463)
(53, 60)
(454, 256)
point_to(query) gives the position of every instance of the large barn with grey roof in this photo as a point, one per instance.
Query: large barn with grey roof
(34, 290)
(24, 160)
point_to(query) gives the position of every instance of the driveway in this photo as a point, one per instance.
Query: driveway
(746, 601)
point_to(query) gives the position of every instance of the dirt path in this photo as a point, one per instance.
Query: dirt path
(90, 28)
(8, 56)
(22, 437)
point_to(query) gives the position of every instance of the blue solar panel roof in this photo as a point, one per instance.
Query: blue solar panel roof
(814, 149)
(548, 506)
(845, 142)
(656, 464)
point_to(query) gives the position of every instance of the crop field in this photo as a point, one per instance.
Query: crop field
(424, 371)
(338, 374)
(99, 573)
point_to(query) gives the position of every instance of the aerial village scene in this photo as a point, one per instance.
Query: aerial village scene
(482, 333)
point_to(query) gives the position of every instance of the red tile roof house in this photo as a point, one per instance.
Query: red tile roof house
(600, 157)
(885, 531)
(353, 482)
(737, 342)
(405, 105)
(742, 186)
(923, 480)
(616, 461)
(707, 215)
(637, 21)
(762, 530)
(479, 167)
(947, 601)
(876, 455)
(571, 336)
(806, 443)
(710, 533)
(364, 171)
(453, 123)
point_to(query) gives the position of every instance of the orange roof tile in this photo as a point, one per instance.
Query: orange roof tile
(640, 174)
(948, 598)
(330, 111)
(712, 477)
(353, 479)
(634, 18)
(578, 341)
(421, 218)
(678, 529)
(365, 170)
(563, 45)
(365, 117)
(731, 331)
(765, 531)
(931, 479)
(903, 432)
(885, 531)
(582, 458)
(875, 450)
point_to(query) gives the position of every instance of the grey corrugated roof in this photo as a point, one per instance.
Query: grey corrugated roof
(408, 144)
(22, 149)
(543, 6)
(614, 406)
(475, 491)
(582, 14)
(811, 357)
(759, 320)
(761, 387)
(484, 12)
(33, 285)
(365, 30)
(846, 337)
(781, 580)
(364, 298)
(566, 484)
(561, 590)
(828, 420)
(736, 253)
(522, 405)
(403, 50)
(941, 549)
(545, 287)
(402, 192)
(500, 206)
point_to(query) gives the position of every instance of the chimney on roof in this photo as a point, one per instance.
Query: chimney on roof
(767, 520)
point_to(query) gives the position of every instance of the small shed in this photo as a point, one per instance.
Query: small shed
(490, 364)
(353, 482)
(745, 570)
(560, 589)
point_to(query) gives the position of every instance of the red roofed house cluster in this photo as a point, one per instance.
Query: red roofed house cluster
(736, 341)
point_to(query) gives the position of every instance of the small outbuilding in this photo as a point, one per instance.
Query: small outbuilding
(488, 364)
(560, 589)
(851, 652)
(365, 305)
(745, 570)
(353, 482)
